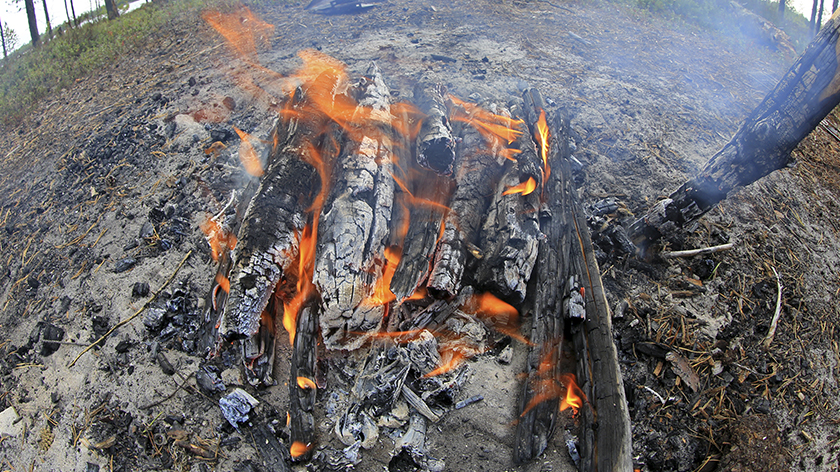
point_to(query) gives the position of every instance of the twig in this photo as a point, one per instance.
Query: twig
(769, 338)
(135, 315)
(179, 387)
(697, 252)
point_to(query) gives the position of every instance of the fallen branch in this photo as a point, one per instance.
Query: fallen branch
(136, 314)
(696, 252)
(772, 332)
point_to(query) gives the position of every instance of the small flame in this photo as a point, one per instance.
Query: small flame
(306, 383)
(247, 154)
(565, 388)
(541, 136)
(450, 359)
(381, 293)
(503, 316)
(574, 395)
(305, 288)
(298, 449)
(219, 239)
(524, 188)
(223, 282)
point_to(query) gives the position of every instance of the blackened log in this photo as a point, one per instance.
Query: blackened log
(510, 233)
(427, 209)
(479, 168)
(230, 222)
(539, 400)
(435, 144)
(802, 98)
(302, 386)
(354, 224)
(605, 440)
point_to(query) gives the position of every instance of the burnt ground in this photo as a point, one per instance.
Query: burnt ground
(106, 183)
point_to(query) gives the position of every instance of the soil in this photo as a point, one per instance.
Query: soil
(106, 184)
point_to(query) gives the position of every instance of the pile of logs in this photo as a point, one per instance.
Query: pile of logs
(413, 231)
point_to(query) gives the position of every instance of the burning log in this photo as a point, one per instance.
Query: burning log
(510, 232)
(539, 401)
(354, 226)
(566, 256)
(479, 165)
(302, 387)
(802, 98)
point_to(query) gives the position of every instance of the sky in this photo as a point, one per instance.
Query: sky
(13, 13)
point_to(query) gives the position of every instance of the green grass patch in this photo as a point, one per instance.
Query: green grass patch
(34, 73)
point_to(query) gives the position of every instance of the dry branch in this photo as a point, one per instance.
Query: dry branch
(802, 98)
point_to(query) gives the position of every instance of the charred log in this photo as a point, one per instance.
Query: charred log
(302, 387)
(479, 167)
(354, 225)
(539, 400)
(427, 209)
(802, 98)
(510, 232)
(435, 144)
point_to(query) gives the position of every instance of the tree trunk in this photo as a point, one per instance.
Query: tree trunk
(804, 96)
(782, 9)
(819, 16)
(67, 12)
(834, 6)
(47, 16)
(33, 24)
(73, 11)
(3, 38)
(111, 8)
(813, 23)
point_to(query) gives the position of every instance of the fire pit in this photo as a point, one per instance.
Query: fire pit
(448, 351)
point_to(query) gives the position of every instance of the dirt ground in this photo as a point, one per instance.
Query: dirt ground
(107, 182)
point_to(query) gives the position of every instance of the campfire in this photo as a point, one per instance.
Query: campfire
(396, 240)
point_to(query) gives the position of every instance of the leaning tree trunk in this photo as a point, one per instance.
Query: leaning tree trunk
(33, 23)
(804, 96)
(3, 39)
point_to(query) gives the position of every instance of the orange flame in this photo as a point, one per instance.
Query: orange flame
(224, 282)
(490, 125)
(381, 293)
(503, 316)
(306, 383)
(298, 449)
(305, 288)
(408, 119)
(574, 395)
(524, 188)
(247, 154)
(541, 136)
(564, 388)
(219, 239)
(449, 360)
(242, 29)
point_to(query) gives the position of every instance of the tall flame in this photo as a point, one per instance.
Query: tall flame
(541, 135)
(242, 30)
